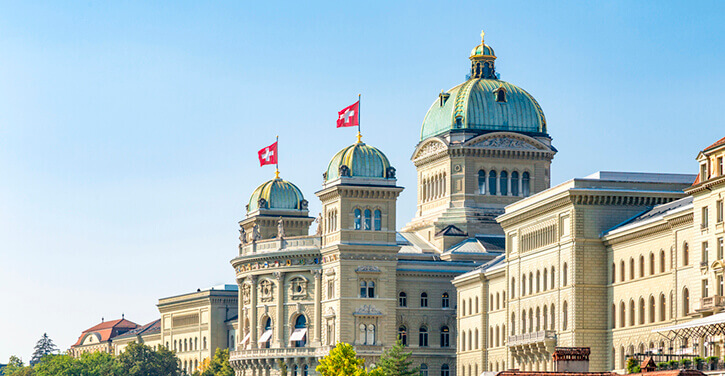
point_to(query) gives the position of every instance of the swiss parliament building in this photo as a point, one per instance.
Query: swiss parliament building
(496, 268)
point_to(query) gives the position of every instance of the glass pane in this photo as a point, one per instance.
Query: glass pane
(504, 183)
(492, 182)
(357, 219)
(377, 220)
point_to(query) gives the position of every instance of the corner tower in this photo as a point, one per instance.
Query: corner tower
(484, 145)
(359, 248)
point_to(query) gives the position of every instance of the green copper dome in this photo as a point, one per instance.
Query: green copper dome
(277, 194)
(484, 103)
(359, 160)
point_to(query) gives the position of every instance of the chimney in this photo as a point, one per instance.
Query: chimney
(571, 359)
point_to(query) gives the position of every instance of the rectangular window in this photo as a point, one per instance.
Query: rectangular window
(720, 166)
(704, 288)
(704, 252)
(719, 210)
(719, 285)
(720, 250)
(703, 172)
(703, 222)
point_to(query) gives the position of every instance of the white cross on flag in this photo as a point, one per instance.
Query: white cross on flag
(268, 155)
(349, 116)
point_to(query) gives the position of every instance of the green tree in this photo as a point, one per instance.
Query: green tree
(98, 364)
(15, 367)
(57, 365)
(140, 360)
(219, 365)
(632, 365)
(396, 362)
(282, 367)
(43, 347)
(342, 360)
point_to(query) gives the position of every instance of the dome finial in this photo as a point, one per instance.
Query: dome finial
(482, 35)
(276, 173)
(359, 137)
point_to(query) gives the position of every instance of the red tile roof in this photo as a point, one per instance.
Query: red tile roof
(677, 372)
(108, 329)
(697, 180)
(716, 144)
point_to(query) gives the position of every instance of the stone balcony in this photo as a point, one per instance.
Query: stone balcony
(535, 345)
(712, 303)
(280, 353)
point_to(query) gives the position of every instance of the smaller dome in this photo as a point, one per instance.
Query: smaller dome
(482, 50)
(277, 194)
(359, 160)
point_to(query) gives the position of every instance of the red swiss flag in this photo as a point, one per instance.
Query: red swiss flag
(268, 155)
(349, 116)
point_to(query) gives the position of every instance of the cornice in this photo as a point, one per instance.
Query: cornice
(637, 233)
(707, 185)
(564, 199)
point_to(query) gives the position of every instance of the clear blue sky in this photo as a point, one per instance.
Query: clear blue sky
(129, 130)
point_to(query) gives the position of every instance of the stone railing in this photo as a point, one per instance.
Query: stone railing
(286, 352)
(534, 337)
(276, 245)
(712, 302)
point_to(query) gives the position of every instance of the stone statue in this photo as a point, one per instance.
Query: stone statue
(318, 220)
(255, 233)
(242, 235)
(280, 228)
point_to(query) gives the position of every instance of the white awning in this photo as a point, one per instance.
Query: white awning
(706, 326)
(246, 338)
(298, 335)
(265, 336)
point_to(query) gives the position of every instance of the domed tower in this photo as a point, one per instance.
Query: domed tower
(359, 248)
(274, 200)
(484, 145)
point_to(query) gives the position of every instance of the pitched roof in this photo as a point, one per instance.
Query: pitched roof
(150, 328)
(716, 144)
(108, 329)
(451, 230)
(652, 215)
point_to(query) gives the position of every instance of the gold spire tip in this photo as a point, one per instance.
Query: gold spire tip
(276, 173)
(482, 34)
(359, 137)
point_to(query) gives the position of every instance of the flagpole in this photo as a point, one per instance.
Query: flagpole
(359, 135)
(276, 165)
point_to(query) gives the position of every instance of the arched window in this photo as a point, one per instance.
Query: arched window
(531, 283)
(538, 281)
(631, 268)
(553, 278)
(363, 289)
(622, 315)
(523, 285)
(295, 370)
(685, 254)
(552, 311)
(423, 336)
(686, 301)
(641, 266)
(402, 299)
(445, 370)
(444, 300)
(368, 218)
(423, 370)
(523, 321)
(463, 340)
(515, 183)
(500, 95)
(546, 278)
(663, 307)
(403, 335)
(186, 345)
(641, 311)
(513, 287)
(652, 308)
(371, 289)
(470, 306)
(477, 304)
(525, 187)
(482, 182)
(445, 337)
(498, 300)
(513, 324)
(662, 261)
(196, 343)
(531, 320)
(538, 319)
(504, 183)
(651, 263)
(497, 336)
(631, 312)
(545, 316)
(424, 299)
(614, 273)
(463, 307)
(378, 220)
(305, 370)
(613, 319)
(621, 271)
(564, 275)
(564, 315)
(358, 220)
(204, 340)
(492, 182)
(299, 335)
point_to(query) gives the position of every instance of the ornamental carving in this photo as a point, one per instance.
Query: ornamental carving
(367, 269)
(505, 143)
(390, 173)
(368, 310)
(430, 149)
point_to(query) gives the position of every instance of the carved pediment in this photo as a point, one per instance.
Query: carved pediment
(367, 310)
(505, 143)
(367, 269)
(430, 148)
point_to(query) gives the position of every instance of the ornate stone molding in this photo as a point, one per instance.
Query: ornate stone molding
(367, 310)
(367, 269)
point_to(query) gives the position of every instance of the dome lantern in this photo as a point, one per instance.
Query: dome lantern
(483, 61)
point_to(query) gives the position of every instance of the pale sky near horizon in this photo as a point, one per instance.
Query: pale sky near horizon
(129, 130)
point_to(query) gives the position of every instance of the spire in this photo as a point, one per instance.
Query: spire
(359, 137)
(483, 33)
(482, 60)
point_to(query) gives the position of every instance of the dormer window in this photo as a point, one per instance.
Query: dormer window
(500, 95)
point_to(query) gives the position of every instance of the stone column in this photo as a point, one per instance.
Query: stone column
(510, 192)
(316, 336)
(253, 327)
(279, 276)
(240, 314)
